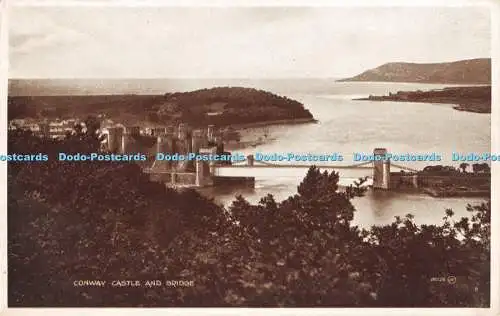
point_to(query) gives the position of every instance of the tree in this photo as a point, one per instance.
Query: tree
(482, 167)
(411, 256)
(464, 166)
(153, 117)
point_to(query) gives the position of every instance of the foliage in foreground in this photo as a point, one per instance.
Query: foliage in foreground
(107, 221)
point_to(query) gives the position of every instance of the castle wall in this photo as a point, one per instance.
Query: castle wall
(157, 131)
(183, 140)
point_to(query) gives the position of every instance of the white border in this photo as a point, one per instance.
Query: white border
(495, 148)
(251, 3)
(4, 43)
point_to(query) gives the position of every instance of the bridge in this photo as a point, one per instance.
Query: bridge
(265, 164)
(381, 168)
(209, 173)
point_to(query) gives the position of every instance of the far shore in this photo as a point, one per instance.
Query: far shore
(476, 99)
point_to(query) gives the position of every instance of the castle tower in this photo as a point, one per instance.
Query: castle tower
(184, 139)
(197, 141)
(211, 133)
(165, 145)
(188, 142)
(183, 146)
(381, 170)
(129, 133)
(204, 138)
(115, 139)
(182, 131)
(219, 142)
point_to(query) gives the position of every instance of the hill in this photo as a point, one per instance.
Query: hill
(219, 106)
(472, 71)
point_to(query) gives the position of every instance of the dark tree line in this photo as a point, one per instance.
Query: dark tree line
(103, 220)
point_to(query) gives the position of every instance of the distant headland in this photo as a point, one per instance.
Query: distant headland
(220, 106)
(470, 98)
(471, 71)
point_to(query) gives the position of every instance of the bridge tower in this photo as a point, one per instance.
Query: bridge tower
(250, 160)
(381, 170)
(205, 169)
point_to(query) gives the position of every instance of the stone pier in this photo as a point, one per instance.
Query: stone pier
(381, 170)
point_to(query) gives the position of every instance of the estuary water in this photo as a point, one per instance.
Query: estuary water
(348, 126)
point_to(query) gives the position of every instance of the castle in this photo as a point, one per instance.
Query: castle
(170, 140)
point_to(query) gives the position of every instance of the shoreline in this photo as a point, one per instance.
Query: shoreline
(252, 137)
(466, 99)
(469, 108)
(457, 84)
(472, 108)
(244, 126)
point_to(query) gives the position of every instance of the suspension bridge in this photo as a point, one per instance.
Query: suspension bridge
(266, 164)
(380, 170)
(206, 172)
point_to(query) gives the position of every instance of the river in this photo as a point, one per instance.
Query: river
(348, 126)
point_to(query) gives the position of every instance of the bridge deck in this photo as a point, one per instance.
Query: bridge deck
(295, 166)
(364, 165)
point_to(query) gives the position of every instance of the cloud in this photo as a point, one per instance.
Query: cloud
(237, 42)
(33, 32)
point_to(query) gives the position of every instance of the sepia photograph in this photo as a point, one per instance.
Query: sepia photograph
(249, 156)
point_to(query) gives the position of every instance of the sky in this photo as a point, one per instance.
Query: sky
(237, 42)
